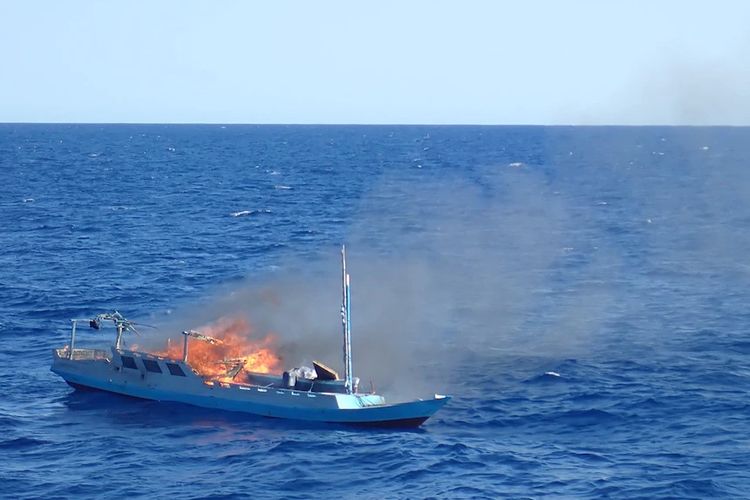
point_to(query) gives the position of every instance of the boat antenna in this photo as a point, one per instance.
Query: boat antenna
(121, 324)
(346, 321)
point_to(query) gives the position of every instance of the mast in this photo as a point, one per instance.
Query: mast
(73, 338)
(346, 322)
(120, 330)
(185, 348)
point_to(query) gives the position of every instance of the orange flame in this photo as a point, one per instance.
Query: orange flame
(236, 347)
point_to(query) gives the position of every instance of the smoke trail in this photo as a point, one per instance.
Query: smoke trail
(440, 270)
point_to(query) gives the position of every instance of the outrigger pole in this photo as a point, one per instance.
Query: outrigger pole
(199, 336)
(346, 317)
(121, 324)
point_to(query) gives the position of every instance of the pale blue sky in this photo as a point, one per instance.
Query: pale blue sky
(483, 62)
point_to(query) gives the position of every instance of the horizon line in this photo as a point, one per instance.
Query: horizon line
(323, 124)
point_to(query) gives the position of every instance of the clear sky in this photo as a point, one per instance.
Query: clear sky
(279, 61)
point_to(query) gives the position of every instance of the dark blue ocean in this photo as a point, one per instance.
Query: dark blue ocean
(581, 292)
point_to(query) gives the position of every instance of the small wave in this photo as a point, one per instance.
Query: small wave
(588, 417)
(20, 443)
(740, 346)
(649, 403)
(517, 164)
(545, 377)
(697, 488)
(455, 448)
(590, 456)
(282, 187)
(245, 213)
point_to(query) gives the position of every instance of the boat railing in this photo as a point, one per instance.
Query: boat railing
(84, 354)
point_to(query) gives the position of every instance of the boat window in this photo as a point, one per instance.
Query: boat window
(175, 369)
(129, 362)
(151, 365)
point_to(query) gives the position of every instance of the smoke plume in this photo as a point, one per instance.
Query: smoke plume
(441, 270)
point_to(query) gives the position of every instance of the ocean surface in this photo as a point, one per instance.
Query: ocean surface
(581, 292)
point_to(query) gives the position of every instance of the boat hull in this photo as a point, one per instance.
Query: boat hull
(358, 409)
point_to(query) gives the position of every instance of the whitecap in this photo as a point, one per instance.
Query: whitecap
(552, 374)
(516, 164)
(245, 213)
(281, 186)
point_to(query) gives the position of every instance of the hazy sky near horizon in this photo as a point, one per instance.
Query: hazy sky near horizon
(432, 62)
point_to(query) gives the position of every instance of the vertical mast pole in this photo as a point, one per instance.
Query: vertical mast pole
(118, 340)
(72, 338)
(349, 374)
(346, 320)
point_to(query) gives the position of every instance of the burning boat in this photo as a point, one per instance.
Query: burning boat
(236, 382)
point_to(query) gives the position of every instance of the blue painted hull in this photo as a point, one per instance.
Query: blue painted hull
(276, 402)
